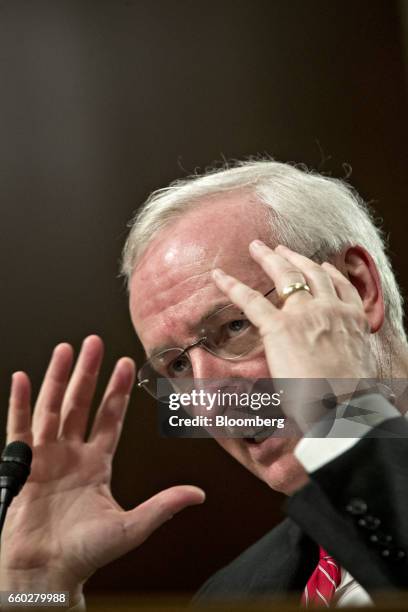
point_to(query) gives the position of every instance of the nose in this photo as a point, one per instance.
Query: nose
(207, 365)
(217, 374)
(210, 375)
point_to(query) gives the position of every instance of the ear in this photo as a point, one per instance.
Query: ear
(359, 267)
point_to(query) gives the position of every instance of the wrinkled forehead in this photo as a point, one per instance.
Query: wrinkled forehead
(172, 281)
(218, 226)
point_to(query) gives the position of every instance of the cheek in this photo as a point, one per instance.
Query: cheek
(253, 368)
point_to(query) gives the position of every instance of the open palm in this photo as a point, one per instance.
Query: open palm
(65, 520)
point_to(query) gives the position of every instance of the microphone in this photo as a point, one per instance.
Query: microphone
(15, 466)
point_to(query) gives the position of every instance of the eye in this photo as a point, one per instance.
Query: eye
(237, 326)
(179, 366)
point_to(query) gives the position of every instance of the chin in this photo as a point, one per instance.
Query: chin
(272, 461)
(285, 475)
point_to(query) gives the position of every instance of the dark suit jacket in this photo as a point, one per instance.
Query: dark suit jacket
(355, 506)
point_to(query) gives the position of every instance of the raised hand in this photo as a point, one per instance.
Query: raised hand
(318, 334)
(65, 524)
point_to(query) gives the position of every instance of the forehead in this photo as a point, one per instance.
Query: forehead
(171, 286)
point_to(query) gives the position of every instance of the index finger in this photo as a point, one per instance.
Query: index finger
(256, 307)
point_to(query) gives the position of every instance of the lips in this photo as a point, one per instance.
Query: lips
(266, 451)
(260, 436)
(291, 431)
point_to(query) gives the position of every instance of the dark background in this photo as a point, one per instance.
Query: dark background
(102, 102)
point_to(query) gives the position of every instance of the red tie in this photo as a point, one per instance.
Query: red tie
(322, 584)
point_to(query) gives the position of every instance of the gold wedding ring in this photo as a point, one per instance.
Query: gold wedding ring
(289, 289)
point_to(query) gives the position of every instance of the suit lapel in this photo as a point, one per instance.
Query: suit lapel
(289, 560)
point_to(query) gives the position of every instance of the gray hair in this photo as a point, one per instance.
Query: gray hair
(309, 212)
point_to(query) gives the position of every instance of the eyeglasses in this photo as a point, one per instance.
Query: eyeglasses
(226, 334)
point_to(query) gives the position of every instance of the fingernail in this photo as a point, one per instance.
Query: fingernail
(57, 348)
(256, 244)
(218, 274)
(91, 356)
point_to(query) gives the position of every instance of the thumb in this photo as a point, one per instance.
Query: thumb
(149, 516)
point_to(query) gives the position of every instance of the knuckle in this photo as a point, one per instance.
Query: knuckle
(326, 306)
(312, 265)
(275, 325)
(327, 265)
(330, 270)
(343, 280)
(354, 317)
(293, 272)
(253, 296)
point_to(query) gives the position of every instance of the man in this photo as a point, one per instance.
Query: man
(335, 320)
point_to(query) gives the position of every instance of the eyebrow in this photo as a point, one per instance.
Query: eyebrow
(215, 308)
(220, 305)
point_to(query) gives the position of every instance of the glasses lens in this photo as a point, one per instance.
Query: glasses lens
(172, 364)
(230, 334)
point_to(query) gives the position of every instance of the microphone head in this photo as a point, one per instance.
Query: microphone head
(15, 464)
(19, 452)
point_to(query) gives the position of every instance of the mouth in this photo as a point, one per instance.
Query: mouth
(260, 436)
(266, 441)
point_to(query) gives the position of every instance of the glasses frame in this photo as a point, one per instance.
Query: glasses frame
(200, 342)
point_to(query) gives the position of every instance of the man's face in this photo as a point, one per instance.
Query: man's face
(171, 289)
